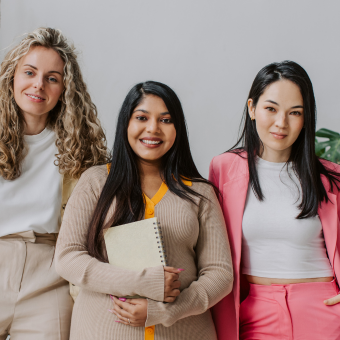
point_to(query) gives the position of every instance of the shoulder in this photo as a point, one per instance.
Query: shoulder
(204, 189)
(93, 178)
(226, 164)
(96, 172)
(334, 168)
(330, 165)
(228, 158)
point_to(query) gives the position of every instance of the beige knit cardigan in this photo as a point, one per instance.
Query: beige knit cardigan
(195, 239)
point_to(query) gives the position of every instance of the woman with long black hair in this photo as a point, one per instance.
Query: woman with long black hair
(281, 204)
(152, 173)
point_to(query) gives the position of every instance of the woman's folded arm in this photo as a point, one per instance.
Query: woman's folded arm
(73, 261)
(215, 274)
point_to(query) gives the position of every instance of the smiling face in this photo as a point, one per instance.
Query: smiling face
(151, 132)
(279, 119)
(38, 82)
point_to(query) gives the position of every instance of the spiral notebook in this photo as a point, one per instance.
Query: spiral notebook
(136, 246)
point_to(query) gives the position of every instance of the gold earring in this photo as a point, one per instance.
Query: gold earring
(252, 118)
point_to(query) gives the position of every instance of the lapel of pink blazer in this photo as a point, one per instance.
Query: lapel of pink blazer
(234, 198)
(328, 213)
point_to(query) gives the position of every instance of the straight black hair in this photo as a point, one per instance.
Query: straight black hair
(123, 183)
(305, 163)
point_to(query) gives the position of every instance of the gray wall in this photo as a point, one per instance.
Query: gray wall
(207, 51)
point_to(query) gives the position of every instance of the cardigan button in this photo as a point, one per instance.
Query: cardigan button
(150, 211)
(149, 330)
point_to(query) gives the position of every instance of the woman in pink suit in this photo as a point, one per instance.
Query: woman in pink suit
(281, 204)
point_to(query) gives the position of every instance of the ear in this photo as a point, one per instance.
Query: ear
(251, 109)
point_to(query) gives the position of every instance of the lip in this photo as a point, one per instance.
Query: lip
(278, 135)
(153, 139)
(33, 99)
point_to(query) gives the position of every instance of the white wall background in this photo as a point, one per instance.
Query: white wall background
(208, 51)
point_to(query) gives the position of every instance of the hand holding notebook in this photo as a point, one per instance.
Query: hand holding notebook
(139, 245)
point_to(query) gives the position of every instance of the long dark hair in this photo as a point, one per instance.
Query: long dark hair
(305, 163)
(123, 183)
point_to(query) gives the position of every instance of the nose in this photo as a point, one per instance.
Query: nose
(39, 83)
(152, 126)
(281, 120)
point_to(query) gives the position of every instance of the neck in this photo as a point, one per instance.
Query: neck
(150, 177)
(149, 169)
(34, 124)
(275, 156)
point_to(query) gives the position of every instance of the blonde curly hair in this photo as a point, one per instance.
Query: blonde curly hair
(80, 139)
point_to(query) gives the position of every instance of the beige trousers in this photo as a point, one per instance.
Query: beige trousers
(35, 303)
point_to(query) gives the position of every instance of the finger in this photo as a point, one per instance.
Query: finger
(122, 313)
(123, 305)
(173, 286)
(169, 299)
(173, 270)
(175, 292)
(136, 301)
(173, 295)
(125, 321)
(332, 301)
(176, 285)
(170, 277)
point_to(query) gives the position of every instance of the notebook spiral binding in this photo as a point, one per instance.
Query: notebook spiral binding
(160, 242)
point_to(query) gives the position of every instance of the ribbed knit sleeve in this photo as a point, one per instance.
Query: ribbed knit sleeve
(73, 261)
(214, 266)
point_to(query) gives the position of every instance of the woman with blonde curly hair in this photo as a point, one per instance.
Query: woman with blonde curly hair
(49, 135)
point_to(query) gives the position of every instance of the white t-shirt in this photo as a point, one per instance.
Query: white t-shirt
(33, 201)
(274, 243)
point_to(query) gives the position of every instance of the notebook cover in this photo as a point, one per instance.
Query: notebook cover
(135, 246)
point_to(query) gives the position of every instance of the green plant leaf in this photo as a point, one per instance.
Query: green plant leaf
(329, 149)
(333, 152)
(319, 149)
(325, 133)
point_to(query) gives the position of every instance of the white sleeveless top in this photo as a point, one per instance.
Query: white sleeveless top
(274, 243)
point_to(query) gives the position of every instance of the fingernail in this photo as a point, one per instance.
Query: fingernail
(117, 321)
(111, 297)
(180, 269)
(111, 311)
(122, 299)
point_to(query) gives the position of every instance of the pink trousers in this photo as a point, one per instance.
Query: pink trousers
(290, 312)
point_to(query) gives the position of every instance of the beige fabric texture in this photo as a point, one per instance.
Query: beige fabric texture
(195, 239)
(34, 300)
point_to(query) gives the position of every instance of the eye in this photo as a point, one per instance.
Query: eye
(296, 113)
(29, 73)
(52, 79)
(141, 118)
(166, 120)
(271, 109)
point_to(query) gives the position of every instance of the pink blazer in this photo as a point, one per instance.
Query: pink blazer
(229, 172)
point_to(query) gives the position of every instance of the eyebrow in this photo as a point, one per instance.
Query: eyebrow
(293, 107)
(145, 111)
(47, 72)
